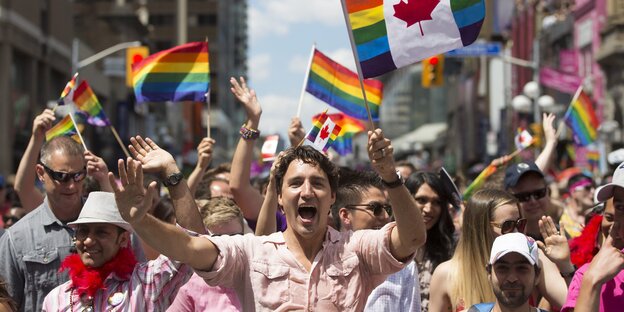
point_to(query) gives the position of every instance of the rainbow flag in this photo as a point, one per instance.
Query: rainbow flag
(179, 74)
(388, 36)
(86, 101)
(581, 118)
(479, 181)
(68, 88)
(323, 133)
(63, 127)
(350, 126)
(340, 87)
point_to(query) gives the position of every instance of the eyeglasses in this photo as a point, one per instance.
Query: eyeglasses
(65, 176)
(509, 225)
(526, 196)
(376, 208)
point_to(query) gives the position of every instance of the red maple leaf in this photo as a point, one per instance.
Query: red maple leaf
(324, 132)
(415, 11)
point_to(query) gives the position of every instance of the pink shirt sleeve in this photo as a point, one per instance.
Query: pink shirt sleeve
(231, 263)
(373, 247)
(574, 289)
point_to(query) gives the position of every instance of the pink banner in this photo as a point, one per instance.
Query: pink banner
(568, 61)
(559, 81)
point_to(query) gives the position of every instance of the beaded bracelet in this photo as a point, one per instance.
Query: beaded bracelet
(248, 133)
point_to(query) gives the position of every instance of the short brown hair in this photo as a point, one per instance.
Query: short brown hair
(219, 210)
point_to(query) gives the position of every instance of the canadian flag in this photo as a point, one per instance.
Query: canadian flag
(523, 139)
(326, 134)
(269, 148)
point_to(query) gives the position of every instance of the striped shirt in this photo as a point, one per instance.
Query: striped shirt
(151, 287)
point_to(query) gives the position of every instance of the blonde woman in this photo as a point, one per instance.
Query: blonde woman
(462, 281)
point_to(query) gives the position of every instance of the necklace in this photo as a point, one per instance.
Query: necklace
(71, 303)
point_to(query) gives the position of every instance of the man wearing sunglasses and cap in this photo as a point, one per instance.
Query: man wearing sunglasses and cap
(599, 285)
(104, 274)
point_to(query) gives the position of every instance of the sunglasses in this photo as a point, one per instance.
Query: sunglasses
(376, 208)
(65, 176)
(509, 225)
(526, 196)
(6, 219)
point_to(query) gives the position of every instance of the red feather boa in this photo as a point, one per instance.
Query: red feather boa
(88, 280)
(584, 247)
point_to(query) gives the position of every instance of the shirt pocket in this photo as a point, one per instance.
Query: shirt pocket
(273, 283)
(345, 282)
(41, 269)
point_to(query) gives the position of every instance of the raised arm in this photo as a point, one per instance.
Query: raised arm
(158, 161)
(267, 224)
(550, 134)
(133, 202)
(247, 197)
(29, 196)
(204, 157)
(409, 233)
(296, 133)
(96, 167)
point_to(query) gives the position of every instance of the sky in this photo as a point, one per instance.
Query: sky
(281, 34)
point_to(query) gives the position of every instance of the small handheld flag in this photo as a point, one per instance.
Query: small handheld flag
(324, 131)
(86, 101)
(269, 148)
(523, 139)
(69, 87)
(339, 87)
(386, 35)
(179, 74)
(349, 127)
(63, 127)
(581, 118)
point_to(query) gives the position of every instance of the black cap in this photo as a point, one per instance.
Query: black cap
(515, 171)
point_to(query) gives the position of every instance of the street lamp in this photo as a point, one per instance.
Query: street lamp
(531, 100)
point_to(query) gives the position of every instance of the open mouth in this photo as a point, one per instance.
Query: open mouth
(307, 213)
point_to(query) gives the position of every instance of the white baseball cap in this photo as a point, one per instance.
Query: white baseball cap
(101, 207)
(605, 192)
(514, 242)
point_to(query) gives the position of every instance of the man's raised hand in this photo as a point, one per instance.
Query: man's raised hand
(153, 158)
(133, 200)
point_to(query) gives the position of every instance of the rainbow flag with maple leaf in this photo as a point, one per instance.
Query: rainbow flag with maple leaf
(387, 36)
(350, 127)
(339, 87)
(323, 133)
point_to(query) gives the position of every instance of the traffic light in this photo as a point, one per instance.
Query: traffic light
(133, 56)
(433, 71)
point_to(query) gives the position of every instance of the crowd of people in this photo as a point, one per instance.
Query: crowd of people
(311, 236)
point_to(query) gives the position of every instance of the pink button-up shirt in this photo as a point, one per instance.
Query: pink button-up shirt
(151, 287)
(196, 295)
(267, 277)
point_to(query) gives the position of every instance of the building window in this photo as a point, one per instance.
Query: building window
(161, 19)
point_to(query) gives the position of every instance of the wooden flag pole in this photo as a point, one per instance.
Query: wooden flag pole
(305, 80)
(357, 63)
(123, 147)
(574, 98)
(78, 131)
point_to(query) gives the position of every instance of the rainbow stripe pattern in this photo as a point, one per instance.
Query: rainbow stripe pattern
(340, 87)
(64, 127)
(68, 88)
(479, 181)
(86, 101)
(317, 124)
(581, 118)
(377, 39)
(179, 74)
(350, 126)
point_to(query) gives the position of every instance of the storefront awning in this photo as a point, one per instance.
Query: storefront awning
(424, 136)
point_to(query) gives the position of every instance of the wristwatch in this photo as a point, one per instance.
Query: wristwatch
(173, 179)
(396, 183)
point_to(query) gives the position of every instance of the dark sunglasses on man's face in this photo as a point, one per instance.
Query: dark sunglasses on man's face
(13, 219)
(526, 196)
(65, 176)
(376, 208)
(509, 225)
